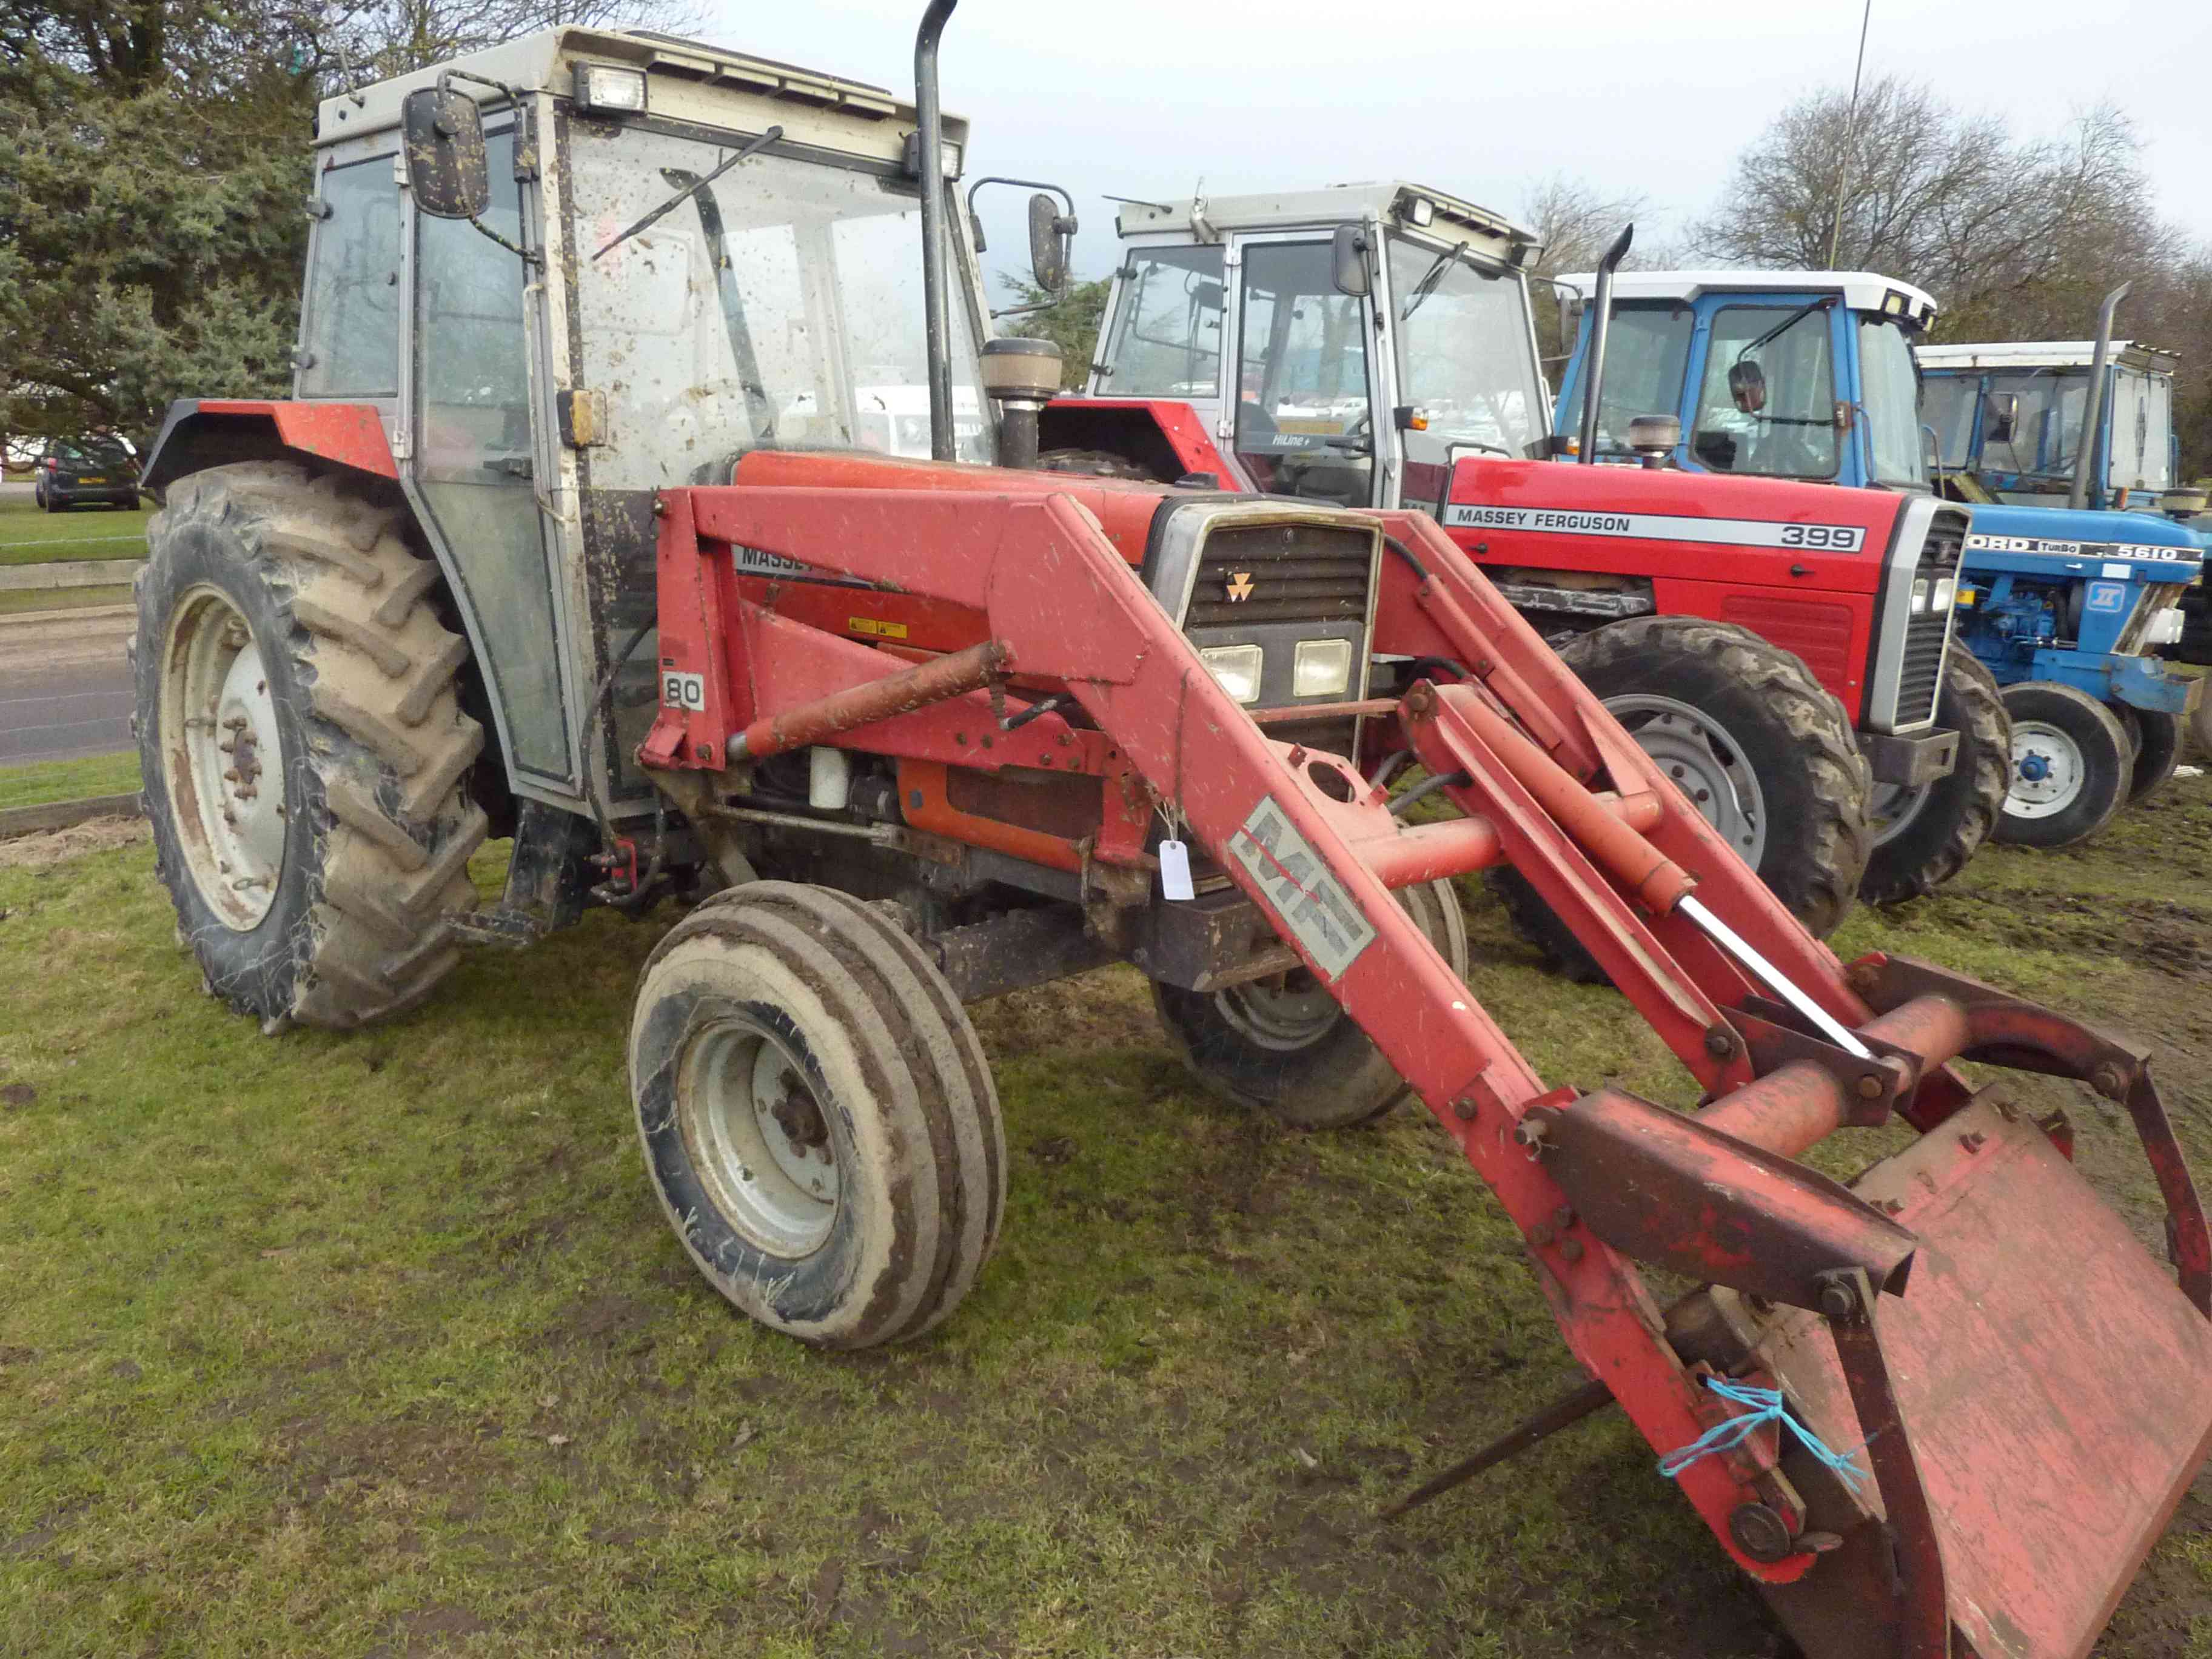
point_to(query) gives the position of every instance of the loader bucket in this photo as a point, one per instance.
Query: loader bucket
(2054, 1384)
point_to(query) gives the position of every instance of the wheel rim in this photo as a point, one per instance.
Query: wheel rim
(759, 1137)
(1286, 1013)
(223, 756)
(1705, 764)
(1893, 807)
(2048, 770)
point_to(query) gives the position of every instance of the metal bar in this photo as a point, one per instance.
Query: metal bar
(900, 693)
(1564, 1413)
(1323, 711)
(1773, 978)
(1460, 846)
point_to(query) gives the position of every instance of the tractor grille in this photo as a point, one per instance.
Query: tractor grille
(1293, 573)
(1920, 678)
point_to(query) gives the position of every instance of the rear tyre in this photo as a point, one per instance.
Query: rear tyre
(1760, 747)
(818, 1120)
(303, 746)
(1285, 1045)
(1924, 835)
(2154, 740)
(2071, 766)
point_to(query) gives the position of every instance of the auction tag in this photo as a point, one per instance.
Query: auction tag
(1174, 871)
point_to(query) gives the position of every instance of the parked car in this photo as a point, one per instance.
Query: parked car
(97, 467)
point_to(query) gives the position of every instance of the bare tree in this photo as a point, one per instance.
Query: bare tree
(1574, 221)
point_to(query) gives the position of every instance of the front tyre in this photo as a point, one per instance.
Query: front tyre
(1923, 834)
(818, 1120)
(1285, 1045)
(2071, 766)
(303, 746)
(2154, 739)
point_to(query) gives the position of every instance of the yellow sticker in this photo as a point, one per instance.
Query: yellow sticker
(882, 631)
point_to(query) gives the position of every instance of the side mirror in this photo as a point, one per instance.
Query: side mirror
(1349, 257)
(1049, 236)
(2000, 416)
(1747, 385)
(442, 138)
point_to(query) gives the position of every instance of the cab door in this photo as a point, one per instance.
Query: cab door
(1302, 388)
(477, 463)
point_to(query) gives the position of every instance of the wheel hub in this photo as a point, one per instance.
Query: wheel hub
(222, 758)
(2048, 770)
(1704, 763)
(1287, 1012)
(759, 1137)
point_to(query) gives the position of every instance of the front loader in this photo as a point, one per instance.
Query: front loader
(918, 732)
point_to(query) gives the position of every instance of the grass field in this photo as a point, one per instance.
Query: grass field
(30, 536)
(74, 780)
(377, 1343)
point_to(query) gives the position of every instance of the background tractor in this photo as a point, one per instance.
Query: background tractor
(592, 323)
(1373, 345)
(2064, 713)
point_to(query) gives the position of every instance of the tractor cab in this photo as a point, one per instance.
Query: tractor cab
(2007, 419)
(1339, 345)
(1774, 374)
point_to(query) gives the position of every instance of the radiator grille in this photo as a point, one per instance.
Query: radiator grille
(1920, 674)
(1254, 574)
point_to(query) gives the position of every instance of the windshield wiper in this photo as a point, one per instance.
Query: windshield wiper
(690, 190)
(1786, 325)
(1430, 278)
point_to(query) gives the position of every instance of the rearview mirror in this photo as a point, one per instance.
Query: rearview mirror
(1747, 385)
(1349, 257)
(2000, 414)
(442, 138)
(1048, 240)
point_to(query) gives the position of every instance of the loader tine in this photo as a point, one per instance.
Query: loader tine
(1564, 1412)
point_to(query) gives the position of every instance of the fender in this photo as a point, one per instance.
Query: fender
(1165, 438)
(204, 432)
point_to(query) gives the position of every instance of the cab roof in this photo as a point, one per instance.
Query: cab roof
(1394, 202)
(2046, 354)
(1862, 290)
(689, 70)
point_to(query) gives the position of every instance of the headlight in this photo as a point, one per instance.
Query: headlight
(1946, 590)
(1237, 668)
(602, 86)
(1320, 668)
(1919, 596)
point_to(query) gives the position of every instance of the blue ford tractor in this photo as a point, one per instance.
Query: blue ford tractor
(1812, 375)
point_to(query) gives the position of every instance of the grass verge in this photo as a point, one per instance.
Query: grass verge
(30, 536)
(377, 1343)
(15, 601)
(74, 780)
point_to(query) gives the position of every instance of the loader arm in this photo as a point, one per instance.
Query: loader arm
(1831, 1293)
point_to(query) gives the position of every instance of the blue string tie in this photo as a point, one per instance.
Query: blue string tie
(1765, 1407)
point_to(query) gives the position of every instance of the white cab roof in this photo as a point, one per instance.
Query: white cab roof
(1393, 201)
(2046, 354)
(1862, 290)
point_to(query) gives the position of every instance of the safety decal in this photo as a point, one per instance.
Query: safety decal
(882, 631)
(1299, 888)
(1659, 527)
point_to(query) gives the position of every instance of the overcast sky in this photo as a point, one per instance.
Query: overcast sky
(1144, 97)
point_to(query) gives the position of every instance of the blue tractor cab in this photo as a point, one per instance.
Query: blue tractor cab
(1813, 375)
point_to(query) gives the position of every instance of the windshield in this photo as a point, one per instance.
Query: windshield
(1166, 340)
(1646, 354)
(1768, 403)
(1464, 354)
(2047, 427)
(781, 305)
(1890, 386)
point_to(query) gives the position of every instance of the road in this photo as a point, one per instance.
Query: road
(65, 685)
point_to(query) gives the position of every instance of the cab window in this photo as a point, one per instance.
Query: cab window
(1767, 405)
(1302, 424)
(351, 348)
(1647, 354)
(1166, 341)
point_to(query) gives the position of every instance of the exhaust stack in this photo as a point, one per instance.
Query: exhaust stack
(2093, 417)
(929, 119)
(1600, 324)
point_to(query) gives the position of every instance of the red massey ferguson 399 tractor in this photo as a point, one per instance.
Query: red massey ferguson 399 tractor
(571, 534)
(1373, 345)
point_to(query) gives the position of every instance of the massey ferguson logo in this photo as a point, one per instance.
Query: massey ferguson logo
(1238, 586)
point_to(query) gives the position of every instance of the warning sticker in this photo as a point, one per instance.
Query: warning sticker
(882, 631)
(1300, 889)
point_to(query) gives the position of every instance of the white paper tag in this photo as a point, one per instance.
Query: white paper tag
(1174, 871)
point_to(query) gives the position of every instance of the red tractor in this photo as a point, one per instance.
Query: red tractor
(1372, 345)
(912, 733)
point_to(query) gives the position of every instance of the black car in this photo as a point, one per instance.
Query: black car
(97, 467)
